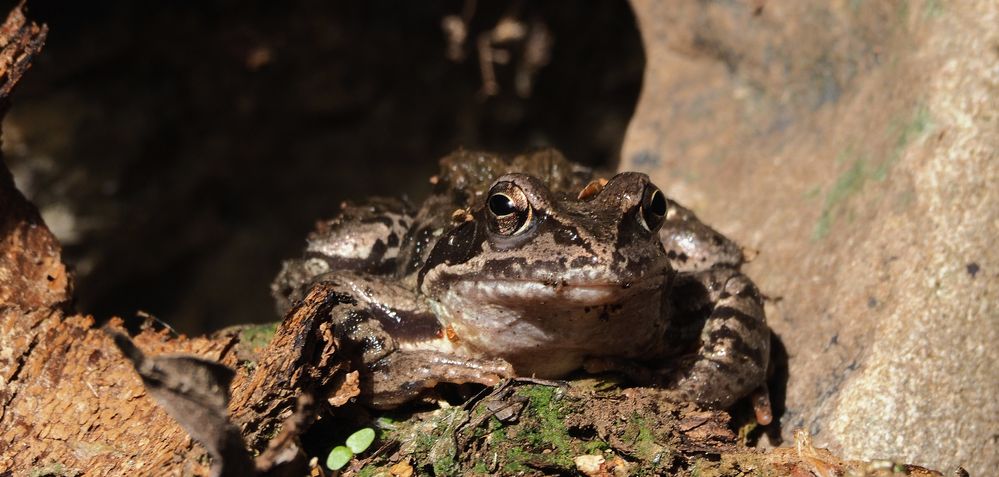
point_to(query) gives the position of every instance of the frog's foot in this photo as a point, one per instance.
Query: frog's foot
(404, 375)
(760, 399)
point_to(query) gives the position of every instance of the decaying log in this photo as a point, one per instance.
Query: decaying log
(69, 402)
(300, 359)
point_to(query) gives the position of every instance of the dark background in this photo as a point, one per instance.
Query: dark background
(181, 150)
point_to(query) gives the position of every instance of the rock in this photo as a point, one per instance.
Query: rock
(589, 464)
(853, 144)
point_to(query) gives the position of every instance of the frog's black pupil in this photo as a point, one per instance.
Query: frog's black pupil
(501, 204)
(657, 205)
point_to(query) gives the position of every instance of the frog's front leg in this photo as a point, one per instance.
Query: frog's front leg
(398, 344)
(718, 346)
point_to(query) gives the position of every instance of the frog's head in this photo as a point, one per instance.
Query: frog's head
(553, 266)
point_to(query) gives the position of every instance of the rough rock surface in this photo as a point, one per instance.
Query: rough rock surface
(853, 144)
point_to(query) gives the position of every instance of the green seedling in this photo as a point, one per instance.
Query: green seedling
(360, 440)
(357, 442)
(339, 457)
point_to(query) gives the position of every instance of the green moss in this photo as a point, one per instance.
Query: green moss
(53, 469)
(480, 468)
(446, 466)
(864, 169)
(258, 336)
(368, 471)
(433, 441)
(932, 8)
(550, 431)
(847, 184)
(638, 433)
(540, 438)
(595, 447)
(813, 193)
(903, 10)
(695, 468)
(515, 461)
(745, 431)
(249, 365)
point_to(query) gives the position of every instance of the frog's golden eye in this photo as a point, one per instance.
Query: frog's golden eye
(509, 210)
(653, 209)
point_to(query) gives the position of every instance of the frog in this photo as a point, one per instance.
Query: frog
(535, 266)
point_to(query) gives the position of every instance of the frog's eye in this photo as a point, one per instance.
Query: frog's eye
(509, 210)
(653, 208)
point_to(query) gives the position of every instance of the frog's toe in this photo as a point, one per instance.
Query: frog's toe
(405, 375)
(489, 372)
(760, 399)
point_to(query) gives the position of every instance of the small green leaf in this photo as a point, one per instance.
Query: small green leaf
(339, 457)
(385, 422)
(360, 440)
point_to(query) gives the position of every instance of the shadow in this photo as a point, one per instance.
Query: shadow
(777, 383)
(193, 144)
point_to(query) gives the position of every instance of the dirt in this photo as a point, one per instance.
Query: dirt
(531, 429)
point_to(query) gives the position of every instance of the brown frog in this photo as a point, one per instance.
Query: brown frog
(530, 267)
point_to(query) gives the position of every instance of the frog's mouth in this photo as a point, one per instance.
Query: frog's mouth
(512, 292)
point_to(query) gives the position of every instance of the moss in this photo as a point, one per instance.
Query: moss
(595, 447)
(53, 469)
(432, 441)
(745, 431)
(258, 336)
(480, 468)
(932, 9)
(539, 438)
(248, 365)
(549, 431)
(847, 184)
(864, 169)
(368, 471)
(918, 125)
(515, 461)
(695, 468)
(446, 466)
(638, 433)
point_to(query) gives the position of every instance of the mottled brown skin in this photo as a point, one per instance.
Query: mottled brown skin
(528, 267)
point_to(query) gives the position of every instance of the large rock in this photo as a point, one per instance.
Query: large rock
(853, 144)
